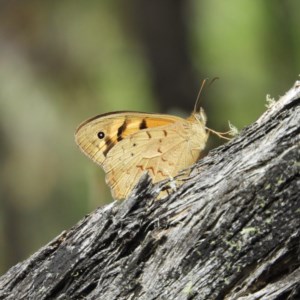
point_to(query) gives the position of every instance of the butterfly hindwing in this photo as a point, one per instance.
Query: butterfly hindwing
(160, 151)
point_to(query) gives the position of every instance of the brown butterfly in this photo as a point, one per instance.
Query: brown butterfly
(127, 144)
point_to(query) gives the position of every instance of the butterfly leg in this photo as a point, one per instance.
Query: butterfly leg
(173, 184)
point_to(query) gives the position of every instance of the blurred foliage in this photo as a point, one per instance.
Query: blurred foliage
(64, 61)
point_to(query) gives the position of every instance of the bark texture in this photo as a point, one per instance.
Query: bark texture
(230, 231)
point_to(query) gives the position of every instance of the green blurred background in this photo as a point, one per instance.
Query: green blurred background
(64, 61)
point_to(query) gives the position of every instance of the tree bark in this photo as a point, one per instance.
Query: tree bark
(230, 231)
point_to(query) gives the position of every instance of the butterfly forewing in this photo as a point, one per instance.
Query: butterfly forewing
(115, 127)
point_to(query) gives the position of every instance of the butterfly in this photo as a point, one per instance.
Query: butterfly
(126, 144)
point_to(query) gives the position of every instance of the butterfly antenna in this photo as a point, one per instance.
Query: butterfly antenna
(199, 94)
(213, 80)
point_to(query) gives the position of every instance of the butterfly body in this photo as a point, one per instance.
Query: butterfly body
(127, 144)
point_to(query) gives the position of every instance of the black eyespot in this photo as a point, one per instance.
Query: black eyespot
(101, 135)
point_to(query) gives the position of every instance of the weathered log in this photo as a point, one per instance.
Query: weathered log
(230, 231)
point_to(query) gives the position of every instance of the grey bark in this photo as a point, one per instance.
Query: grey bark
(230, 231)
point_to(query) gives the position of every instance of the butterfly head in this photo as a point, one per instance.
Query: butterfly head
(199, 117)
